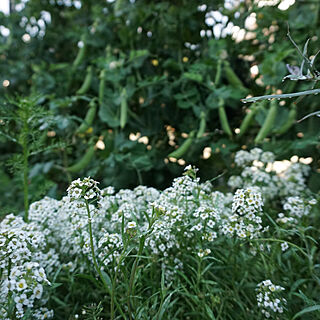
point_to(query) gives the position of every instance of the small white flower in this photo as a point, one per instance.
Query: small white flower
(131, 225)
(284, 246)
(21, 285)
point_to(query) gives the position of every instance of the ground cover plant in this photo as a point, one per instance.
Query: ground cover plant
(186, 252)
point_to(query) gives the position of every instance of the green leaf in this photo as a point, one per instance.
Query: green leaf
(307, 310)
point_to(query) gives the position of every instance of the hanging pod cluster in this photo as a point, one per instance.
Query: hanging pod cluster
(123, 108)
(84, 161)
(268, 123)
(87, 82)
(202, 126)
(232, 77)
(224, 119)
(178, 153)
(248, 119)
(88, 120)
(81, 53)
(292, 116)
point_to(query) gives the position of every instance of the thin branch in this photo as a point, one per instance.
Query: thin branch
(281, 96)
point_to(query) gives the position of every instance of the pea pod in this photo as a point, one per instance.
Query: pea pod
(202, 126)
(268, 123)
(223, 118)
(81, 54)
(124, 108)
(88, 120)
(87, 82)
(290, 120)
(218, 73)
(248, 119)
(83, 162)
(101, 86)
(232, 77)
(178, 153)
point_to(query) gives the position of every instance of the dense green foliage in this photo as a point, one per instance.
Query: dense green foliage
(130, 92)
(155, 70)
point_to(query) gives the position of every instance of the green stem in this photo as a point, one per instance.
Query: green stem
(25, 183)
(281, 96)
(96, 263)
(92, 248)
(25, 154)
(133, 272)
(218, 73)
(199, 275)
(114, 283)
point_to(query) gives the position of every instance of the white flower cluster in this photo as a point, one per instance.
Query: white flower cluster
(188, 214)
(130, 204)
(86, 189)
(22, 261)
(110, 246)
(295, 207)
(187, 217)
(25, 285)
(260, 170)
(243, 157)
(269, 299)
(245, 221)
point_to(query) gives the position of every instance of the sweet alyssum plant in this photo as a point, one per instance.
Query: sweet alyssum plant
(189, 251)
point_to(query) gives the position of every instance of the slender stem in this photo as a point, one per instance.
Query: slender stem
(114, 281)
(218, 73)
(281, 96)
(25, 151)
(25, 183)
(132, 276)
(93, 253)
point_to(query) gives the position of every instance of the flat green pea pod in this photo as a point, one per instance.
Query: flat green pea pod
(232, 77)
(223, 118)
(178, 153)
(268, 123)
(102, 86)
(88, 120)
(124, 108)
(83, 162)
(87, 82)
(81, 53)
(218, 73)
(202, 126)
(290, 120)
(249, 118)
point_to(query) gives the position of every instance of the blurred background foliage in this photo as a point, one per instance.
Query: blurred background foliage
(122, 84)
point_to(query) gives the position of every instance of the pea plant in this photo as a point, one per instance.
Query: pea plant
(296, 74)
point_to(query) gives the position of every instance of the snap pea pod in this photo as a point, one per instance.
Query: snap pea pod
(124, 108)
(178, 153)
(202, 126)
(223, 118)
(102, 85)
(248, 119)
(290, 120)
(232, 77)
(87, 82)
(83, 162)
(88, 120)
(81, 53)
(268, 123)
(218, 72)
